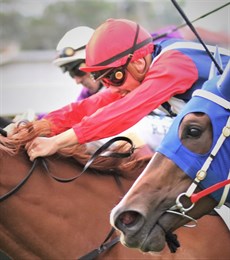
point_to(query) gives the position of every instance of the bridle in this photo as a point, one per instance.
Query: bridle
(179, 208)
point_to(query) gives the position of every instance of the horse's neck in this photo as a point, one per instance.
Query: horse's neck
(45, 217)
(50, 220)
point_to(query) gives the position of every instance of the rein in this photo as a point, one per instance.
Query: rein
(105, 245)
(90, 161)
(203, 193)
(17, 187)
(102, 248)
(98, 152)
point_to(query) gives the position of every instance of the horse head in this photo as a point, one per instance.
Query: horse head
(193, 157)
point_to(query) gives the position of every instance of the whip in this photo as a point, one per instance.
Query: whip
(196, 34)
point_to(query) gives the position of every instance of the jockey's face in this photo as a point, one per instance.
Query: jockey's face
(130, 84)
(134, 74)
(88, 82)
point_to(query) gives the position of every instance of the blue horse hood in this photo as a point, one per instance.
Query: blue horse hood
(190, 162)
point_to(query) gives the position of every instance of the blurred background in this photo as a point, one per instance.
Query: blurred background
(31, 29)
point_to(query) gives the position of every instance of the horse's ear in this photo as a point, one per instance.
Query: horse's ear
(223, 83)
(213, 69)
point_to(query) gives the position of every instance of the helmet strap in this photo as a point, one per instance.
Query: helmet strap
(133, 47)
(128, 52)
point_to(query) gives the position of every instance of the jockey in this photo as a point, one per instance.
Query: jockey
(140, 76)
(71, 56)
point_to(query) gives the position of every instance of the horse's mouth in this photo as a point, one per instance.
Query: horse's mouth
(152, 238)
(152, 241)
(155, 240)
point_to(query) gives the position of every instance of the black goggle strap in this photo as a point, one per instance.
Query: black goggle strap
(97, 76)
(69, 51)
(120, 74)
(72, 65)
(133, 47)
(131, 51)
(76, 72)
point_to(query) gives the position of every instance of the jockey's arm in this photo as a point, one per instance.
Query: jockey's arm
(45, 146)
(65, 139)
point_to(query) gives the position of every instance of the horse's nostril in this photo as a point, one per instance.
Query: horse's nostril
(128, 218)
(129, 221)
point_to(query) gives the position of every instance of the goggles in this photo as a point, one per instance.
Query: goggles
(73, 68)
(75, 72)
(116, 76)
(111, 77)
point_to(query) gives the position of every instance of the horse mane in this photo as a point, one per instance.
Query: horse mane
(25, 133)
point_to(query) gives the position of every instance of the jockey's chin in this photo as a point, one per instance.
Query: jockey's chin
(123, 92)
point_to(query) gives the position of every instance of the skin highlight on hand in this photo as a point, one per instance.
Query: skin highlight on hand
(46, 146)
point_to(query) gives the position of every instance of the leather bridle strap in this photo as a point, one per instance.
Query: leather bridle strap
(103, 247)
(93, 157)
(16, 188)
(101, 151)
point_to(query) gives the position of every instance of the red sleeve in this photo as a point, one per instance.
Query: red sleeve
(68, 116)
(173, 73)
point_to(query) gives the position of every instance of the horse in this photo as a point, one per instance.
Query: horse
(48, 219)
(187, 176)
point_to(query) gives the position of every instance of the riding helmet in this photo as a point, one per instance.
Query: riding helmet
(113, 42)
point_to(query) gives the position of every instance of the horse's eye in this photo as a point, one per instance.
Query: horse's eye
(193, 132)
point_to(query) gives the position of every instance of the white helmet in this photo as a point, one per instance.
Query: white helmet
(72, 45)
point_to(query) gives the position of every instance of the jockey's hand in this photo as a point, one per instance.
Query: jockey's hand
(45, 146)
(41, 146)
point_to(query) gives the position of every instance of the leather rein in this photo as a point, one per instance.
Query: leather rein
(90, 161)
(106, 243)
